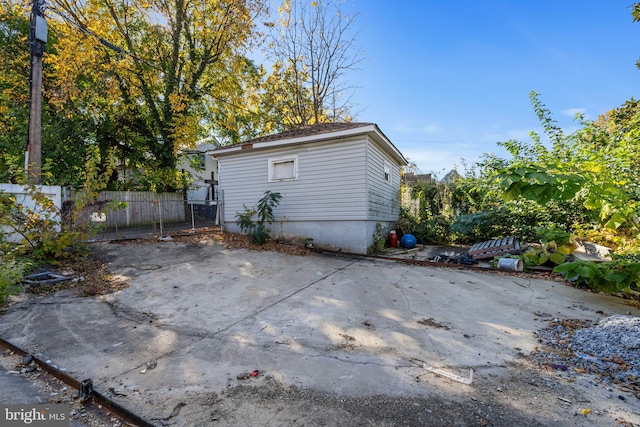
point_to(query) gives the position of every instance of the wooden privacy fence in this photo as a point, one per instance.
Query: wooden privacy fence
(138, 207)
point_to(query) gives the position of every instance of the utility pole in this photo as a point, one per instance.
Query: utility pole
(38, 39)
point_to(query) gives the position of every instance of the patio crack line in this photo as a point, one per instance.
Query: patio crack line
(267, 307)
(418, 363)
(531, 293)
(398, 286)
(226, 328)
(61, 319)
(125, 312)
(359, 362)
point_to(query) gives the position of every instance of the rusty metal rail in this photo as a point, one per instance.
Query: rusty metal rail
(427, 263)
(420, 262)
(85, 388)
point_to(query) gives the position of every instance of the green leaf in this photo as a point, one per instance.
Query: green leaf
(565, 249)
(511, 179)
(634, 266)
(511, 194)
(567, 267)
(540, 177)
(593, 203)
(589, 271)
(543, 257)
(615, 221)
(557, 258)
(615, 276)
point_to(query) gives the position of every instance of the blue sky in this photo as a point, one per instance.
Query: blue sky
(446, 80)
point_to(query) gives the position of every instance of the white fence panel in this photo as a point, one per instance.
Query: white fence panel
(23, 199)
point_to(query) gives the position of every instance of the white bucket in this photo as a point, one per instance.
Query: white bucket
(511, 264)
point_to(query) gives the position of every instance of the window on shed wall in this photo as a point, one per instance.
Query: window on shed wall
(283, 169)
(387, 173)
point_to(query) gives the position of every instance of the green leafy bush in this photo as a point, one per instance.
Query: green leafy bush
(11, 273)
(619, 275)
(555, 245)
(257, 230)
(39, 227)
(583, 185)
(476, 226)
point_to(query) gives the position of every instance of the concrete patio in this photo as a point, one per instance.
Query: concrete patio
(349, 327)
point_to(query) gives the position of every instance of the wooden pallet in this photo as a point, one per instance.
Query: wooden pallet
(491, 248)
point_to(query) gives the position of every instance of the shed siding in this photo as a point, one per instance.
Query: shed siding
(383, 198)
(331, 184)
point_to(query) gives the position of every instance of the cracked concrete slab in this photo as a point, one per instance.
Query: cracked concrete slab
(351, 327)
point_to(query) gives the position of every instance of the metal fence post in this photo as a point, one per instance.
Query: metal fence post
(220, 209)
(193, 221)
(143, 214)
(160, 214)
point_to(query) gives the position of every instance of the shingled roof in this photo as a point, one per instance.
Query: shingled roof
(309, 130)
(311, 133)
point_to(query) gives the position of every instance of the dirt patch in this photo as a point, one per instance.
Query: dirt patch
(93, 277)
(85, 274)
(233, 240)
(520, 394)
(230, 240)
(432, 323)
(278, 404)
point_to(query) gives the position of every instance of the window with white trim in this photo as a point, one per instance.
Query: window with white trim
(283, 168)
(387, 173)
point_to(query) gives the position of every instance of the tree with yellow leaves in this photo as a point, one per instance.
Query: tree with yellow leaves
(154, 67)
(14, 87)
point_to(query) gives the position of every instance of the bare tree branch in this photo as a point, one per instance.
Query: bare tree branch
(317, 45)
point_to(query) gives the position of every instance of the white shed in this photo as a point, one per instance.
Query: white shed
(337, 181)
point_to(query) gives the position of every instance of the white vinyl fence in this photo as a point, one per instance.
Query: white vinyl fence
(25, 202)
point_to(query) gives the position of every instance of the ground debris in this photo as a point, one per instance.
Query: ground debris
(233, 240)
(236, 240)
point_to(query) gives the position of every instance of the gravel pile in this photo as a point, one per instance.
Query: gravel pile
(609, 348)
(613, 343)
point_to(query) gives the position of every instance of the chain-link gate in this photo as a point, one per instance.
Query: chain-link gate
(136, 215)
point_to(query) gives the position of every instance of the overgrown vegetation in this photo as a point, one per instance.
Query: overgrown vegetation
(619, 275)
(263, 214)
(583, 185)
(12, 271)
(35, 231)
(149, 79)
(379, 239)
(555, 247)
